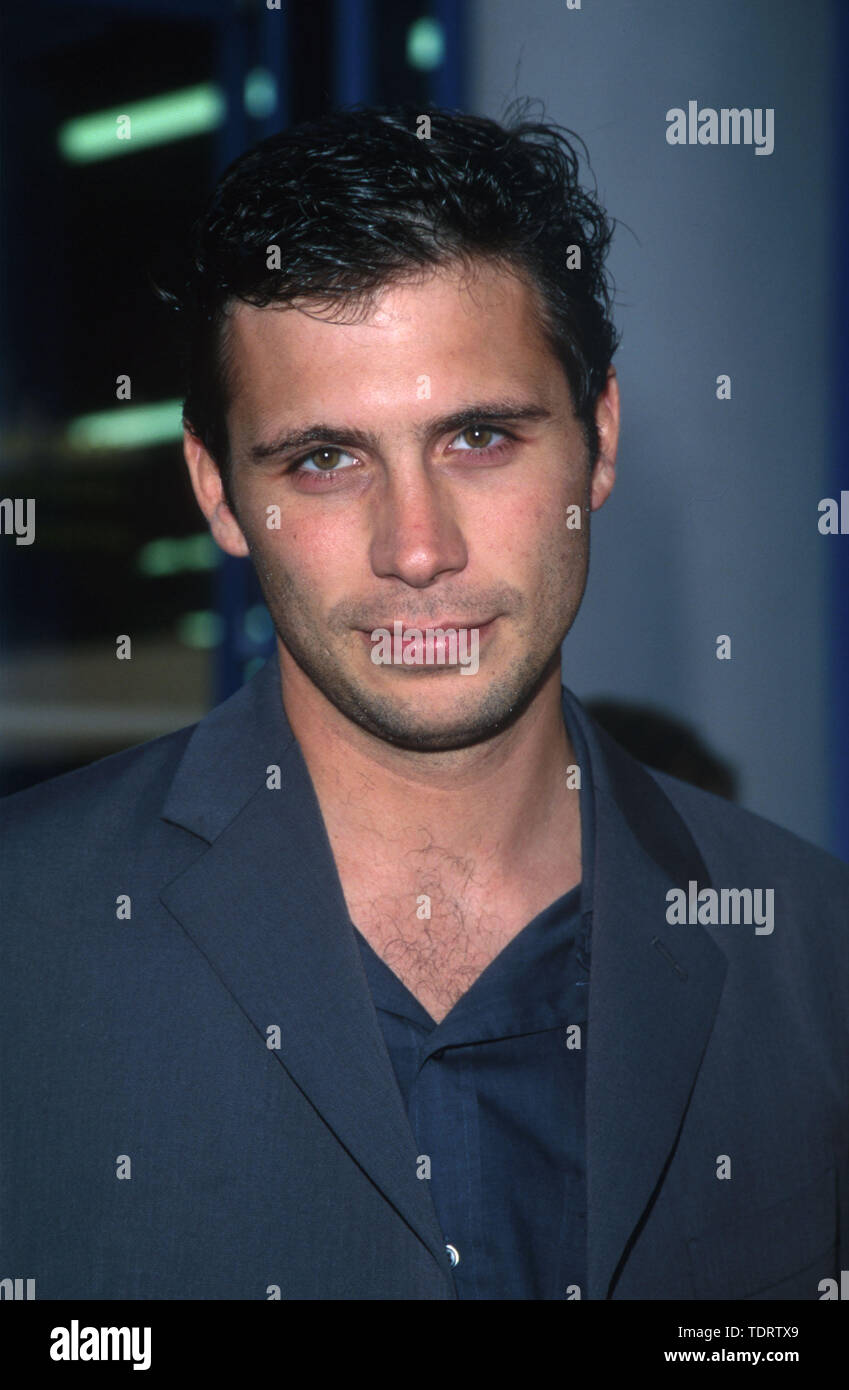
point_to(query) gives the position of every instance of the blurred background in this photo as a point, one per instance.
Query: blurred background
(725, 263)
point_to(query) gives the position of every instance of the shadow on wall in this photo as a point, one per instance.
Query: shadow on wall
(666, 744)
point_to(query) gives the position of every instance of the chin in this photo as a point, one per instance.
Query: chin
(430, 720)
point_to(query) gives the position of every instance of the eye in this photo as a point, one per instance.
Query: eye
(325, 461)
(483, 447)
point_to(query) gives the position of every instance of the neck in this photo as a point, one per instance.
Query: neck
(507, 796)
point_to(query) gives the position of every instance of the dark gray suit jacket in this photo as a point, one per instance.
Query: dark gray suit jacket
(140, 1045)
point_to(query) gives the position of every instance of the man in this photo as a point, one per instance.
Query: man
(395, 977)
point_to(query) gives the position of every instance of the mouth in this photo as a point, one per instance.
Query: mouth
(415, 648)
(443, 624)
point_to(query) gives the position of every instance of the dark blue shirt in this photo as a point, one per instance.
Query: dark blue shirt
(495, 1097)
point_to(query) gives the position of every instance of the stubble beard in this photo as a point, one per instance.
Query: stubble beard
(484, 709)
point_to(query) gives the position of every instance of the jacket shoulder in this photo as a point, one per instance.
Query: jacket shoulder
(738, 839)
(119, 788)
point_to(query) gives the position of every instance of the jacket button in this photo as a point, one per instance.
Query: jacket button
(453, 1254)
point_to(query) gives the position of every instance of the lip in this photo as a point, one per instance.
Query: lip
(445, 624)
(425, 667)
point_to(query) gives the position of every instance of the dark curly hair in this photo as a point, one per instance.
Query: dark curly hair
(358, 199)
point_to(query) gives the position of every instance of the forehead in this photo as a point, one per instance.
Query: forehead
(418, 339)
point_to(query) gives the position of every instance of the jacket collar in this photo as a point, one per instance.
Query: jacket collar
(265, 907)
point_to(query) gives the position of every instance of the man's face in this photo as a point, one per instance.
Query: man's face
(398, 515)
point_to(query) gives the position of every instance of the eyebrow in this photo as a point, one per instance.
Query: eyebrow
(461, 419)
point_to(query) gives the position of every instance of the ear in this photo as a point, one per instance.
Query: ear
(208, 489)
(607, 421)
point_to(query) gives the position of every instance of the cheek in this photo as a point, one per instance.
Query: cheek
(534, 509)
(528, 534)
(313, 557)
(564, 522)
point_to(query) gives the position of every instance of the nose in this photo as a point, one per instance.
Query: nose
(416, 535)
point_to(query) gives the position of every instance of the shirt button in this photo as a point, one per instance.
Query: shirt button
(453, 1254)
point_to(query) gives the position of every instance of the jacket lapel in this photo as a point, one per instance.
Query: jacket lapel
(265, 907)
(654, 992)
